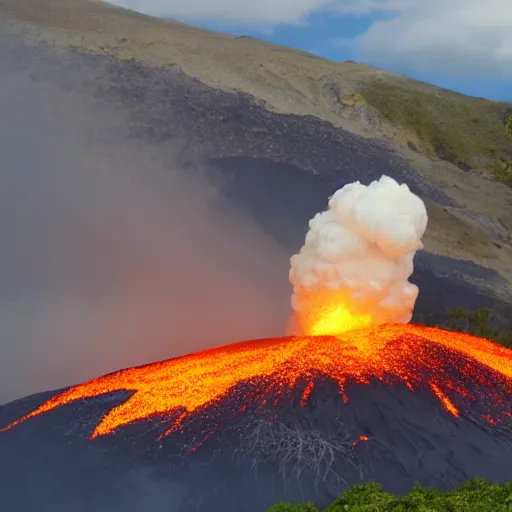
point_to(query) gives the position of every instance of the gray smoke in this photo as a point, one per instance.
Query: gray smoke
(111, 256)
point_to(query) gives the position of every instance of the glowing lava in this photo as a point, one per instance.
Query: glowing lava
(455, 367)
(325, 314)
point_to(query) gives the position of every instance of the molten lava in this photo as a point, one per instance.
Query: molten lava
(455, 367)
(326, 314)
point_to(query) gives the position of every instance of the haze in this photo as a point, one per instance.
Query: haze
(112, 256)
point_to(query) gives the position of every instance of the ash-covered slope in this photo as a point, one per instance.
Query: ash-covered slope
(277, 168)
(246, 451)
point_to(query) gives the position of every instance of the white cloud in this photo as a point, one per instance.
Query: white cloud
(263, 12)
(459, 37)
(247, 12)
(451, 37)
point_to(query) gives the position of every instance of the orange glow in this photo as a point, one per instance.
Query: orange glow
(445, 400)
(328, 314)
(362, 439)
(337, 320)
(456, 367)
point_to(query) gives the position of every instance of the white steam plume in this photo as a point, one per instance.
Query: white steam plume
(357, 259)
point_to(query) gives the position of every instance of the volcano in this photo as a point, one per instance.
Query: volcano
(244, 425)
(89, 89)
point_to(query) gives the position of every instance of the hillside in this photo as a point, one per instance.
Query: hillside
(457, 143)
(466, 131)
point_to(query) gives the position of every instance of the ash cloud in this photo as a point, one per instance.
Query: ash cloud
(111, 256)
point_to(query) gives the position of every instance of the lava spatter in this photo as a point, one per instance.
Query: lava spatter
(452, 365)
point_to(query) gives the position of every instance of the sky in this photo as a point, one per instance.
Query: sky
(463, 45)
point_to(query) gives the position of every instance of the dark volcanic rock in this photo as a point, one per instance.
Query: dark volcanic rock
(249, 463)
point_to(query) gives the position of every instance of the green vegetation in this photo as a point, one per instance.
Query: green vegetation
(473, 496)
(508, 124)
(501, 169)
(482, 322)
(467, 132)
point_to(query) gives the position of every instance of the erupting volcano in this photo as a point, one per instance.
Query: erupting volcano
(352, 392)
(461, 370)
(351, 303)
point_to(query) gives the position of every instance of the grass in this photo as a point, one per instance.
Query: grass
(501, 169)
(468, 132)
(473, 496)
(508, 124)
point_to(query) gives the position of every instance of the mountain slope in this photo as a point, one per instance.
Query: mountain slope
(427, 125)
(288, 80)
(471, 130)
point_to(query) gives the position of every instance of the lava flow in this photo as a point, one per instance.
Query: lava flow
(456, 368)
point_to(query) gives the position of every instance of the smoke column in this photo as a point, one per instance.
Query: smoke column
(354, 267)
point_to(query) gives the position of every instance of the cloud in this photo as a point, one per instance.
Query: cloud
(265, 12)
(457, 38)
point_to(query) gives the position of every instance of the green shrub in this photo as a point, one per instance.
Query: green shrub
(482, 322)
(506, 338)
(501, 169)
(465, 131)
(473, 496)
(418, 112)
(508, 127)
(371, 496)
